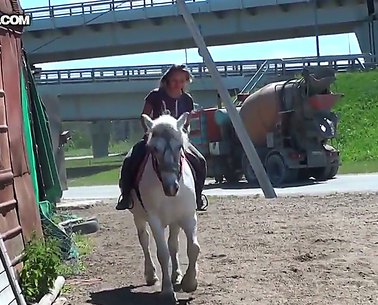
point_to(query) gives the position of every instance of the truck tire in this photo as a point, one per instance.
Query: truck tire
(304, 174)
(87, 227)
(278, 172)
(321, 173)
(333, 171)
(218, 179)
(233, 177)
(249, 173)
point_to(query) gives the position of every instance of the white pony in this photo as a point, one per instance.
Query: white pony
(167, 198)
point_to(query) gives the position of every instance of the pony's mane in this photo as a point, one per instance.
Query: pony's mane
(167, 125)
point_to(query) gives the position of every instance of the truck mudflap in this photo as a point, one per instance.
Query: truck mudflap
(325, 170)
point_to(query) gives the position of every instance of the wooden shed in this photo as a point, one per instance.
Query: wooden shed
(19, 214)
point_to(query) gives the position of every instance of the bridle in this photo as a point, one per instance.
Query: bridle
(158, 168)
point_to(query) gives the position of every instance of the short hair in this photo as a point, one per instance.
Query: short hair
(173, 69)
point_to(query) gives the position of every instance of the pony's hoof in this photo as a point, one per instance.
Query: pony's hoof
(152, 281)
(188, 284)
(169, 298)
(176, 279)
(177, 283)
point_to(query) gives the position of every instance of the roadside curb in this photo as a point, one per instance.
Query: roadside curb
(77, 204)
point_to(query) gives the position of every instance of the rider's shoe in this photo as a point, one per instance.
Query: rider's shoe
(124, 203)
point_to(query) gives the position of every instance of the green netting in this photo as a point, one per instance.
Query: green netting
(45, 177)
(28, 134)
(52, 190)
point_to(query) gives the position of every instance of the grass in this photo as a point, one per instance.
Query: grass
(102, 171)
(84, 247)
(358, 112)
(115, 148)
(361, 167)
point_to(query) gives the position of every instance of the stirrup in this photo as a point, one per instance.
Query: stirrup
(128, 206)
(204, 203)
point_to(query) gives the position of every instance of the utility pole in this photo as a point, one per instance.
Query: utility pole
(315, 4)
(51, 10)
(246, 142)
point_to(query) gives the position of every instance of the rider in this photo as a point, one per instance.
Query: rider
(170, 96)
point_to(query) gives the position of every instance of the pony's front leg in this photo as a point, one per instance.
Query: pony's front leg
(163, 257)
(144, 240)
(189, 282)
(173, 244)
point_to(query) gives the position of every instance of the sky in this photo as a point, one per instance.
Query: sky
(298, 47)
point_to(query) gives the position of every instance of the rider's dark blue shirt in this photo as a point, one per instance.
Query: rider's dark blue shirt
(159, 100)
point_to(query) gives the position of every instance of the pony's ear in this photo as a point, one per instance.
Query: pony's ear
(182, 120)
(148, 122)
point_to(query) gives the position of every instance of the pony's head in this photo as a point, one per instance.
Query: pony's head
(166, 142)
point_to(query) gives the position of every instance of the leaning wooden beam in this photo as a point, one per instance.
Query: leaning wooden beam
(246, 142)
(10, 272)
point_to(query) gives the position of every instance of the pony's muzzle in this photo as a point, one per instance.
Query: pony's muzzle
(171, 189)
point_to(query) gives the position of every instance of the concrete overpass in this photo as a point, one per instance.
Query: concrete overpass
(115, 27)
(118, 93)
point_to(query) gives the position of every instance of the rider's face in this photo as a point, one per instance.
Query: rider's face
(177, 81)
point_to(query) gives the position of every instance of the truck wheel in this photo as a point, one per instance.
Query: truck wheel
(333, 171)
(249, 173)
(218, 179)
(278, 172)
(233, 177)
(87, 227)
(321, 173)
(304, 174)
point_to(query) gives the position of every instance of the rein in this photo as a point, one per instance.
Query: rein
(157, 170)
(155, 166)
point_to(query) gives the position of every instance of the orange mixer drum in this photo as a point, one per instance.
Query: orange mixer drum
(259, 112)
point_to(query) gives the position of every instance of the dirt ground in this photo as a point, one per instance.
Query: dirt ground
(304, 250)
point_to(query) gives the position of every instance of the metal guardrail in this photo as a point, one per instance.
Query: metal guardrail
(276, 67)
(95, 6)
(255, 79)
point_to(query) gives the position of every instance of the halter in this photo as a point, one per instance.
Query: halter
(155, 166)
(157, 170)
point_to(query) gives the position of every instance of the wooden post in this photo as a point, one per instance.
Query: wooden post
(246, 142)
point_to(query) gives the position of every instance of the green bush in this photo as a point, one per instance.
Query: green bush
(41, 264)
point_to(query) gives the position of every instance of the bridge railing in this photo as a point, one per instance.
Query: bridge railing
(276, 67)
(95, 6)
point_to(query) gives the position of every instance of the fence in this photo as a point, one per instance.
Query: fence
(277, 67)
(96, 6)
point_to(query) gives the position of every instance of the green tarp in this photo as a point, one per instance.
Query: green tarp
(41, 160)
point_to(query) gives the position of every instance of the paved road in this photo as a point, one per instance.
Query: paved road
(87, 157)
(341, 184)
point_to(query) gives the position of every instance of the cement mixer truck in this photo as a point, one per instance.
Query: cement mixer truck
(290, 123)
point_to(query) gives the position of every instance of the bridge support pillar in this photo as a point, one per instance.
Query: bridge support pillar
(100, 134)
(367, 35)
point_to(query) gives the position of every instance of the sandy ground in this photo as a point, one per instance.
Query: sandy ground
(304, 250)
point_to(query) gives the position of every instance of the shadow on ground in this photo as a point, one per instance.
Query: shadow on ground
(245, 185)
(85, 171)
(127, 296)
